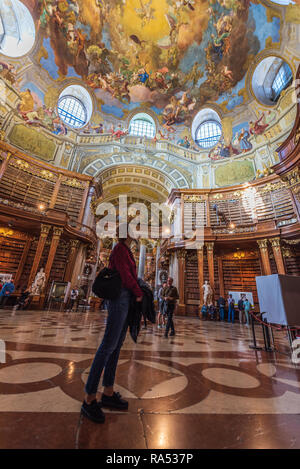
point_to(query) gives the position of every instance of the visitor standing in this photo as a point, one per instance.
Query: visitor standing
(230, 309)
(241, 309)
(247, 307)
(170, 295)
(161, 303)
(221, 304)
(107, 355)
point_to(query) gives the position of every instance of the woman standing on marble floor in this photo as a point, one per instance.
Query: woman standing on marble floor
(107, 355)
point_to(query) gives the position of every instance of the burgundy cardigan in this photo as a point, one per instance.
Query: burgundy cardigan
(122, 260)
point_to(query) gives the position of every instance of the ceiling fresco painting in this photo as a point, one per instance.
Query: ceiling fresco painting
(173, 56)
(170, 58)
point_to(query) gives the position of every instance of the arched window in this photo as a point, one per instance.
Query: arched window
(75, 106)
(206, 128)
(17, 31)
(72, 111)
(281, 81)
(271, 76)
(208, 134)
(142, 125)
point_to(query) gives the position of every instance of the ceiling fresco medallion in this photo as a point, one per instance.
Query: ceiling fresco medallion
(172, 56)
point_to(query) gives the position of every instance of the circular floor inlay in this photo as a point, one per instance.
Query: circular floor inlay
(29, 372)
(232, 378)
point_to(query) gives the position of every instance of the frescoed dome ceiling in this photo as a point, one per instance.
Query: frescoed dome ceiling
(172, 56)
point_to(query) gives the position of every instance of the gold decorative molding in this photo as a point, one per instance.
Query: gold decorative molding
(292, 242)
(47, 175)
(270, 187)
(292, 179)
(6, 232)
(74, 183)
(192, 198)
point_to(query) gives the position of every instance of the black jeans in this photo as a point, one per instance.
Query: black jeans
(170, 324)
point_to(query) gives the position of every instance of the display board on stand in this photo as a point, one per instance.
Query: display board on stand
(279, 299)
(236, 295)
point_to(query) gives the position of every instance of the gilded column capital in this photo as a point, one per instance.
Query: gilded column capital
(275, 242)
(45, 230)
(74, 243)
(143, 242)
(57, 232)
(209, 246)
(262, 243)
(181, 253)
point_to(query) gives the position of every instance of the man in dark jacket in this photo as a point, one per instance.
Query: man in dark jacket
(221, 305)
(170, 295)
(241, 309)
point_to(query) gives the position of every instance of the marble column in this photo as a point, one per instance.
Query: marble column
(275, 242)
(156, 264)
(22, 260)
(4, 164)
(181, 253)
(263, 246)
(74, 243)
(55, 192)
(211, 270)
(221, 277)
(142, 259)
(39, 251)
(200, 275)
(57, 232)
(85, 205)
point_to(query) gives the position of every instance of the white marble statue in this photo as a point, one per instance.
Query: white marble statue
(207, 293)
(39, 283)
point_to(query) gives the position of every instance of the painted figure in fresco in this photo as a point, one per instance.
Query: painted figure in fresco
(27, 101)
(256, 128)
(119, 132)
(8, 72)
(143, 75)
(245, 145)
(184, 142)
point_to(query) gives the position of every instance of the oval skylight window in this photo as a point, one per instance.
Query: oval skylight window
(75, 106)
(17, 31)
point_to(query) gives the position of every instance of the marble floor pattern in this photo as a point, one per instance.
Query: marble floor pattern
(203, 388)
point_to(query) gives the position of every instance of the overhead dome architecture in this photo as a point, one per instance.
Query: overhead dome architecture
(181, 119)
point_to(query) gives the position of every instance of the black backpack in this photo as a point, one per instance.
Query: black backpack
(107, 284)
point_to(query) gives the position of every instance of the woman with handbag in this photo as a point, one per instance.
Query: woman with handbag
(107, 355)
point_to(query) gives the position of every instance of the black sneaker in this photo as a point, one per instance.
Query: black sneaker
(93, 411)
(115, 401)
(172, 333)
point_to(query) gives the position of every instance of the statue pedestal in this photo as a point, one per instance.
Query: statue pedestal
(37, 302)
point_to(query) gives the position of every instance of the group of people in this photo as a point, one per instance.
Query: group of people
(217, 311)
